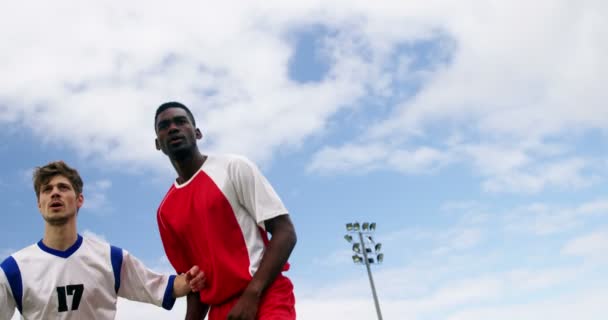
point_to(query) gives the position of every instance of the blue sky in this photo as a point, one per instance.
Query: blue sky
(473, 133)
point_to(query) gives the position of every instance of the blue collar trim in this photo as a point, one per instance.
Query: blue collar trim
(62, 254)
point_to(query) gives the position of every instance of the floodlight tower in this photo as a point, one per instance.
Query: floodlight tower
(366, 254)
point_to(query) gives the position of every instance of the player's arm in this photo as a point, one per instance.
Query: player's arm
(195, 309)
(257, 195)
(139, 283)
(275, 257)
(7, 302)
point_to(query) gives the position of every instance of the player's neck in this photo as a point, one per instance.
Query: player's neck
(60, 237)
(186, 168)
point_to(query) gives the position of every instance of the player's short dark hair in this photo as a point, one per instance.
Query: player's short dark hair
(173, 104)
(42, 176)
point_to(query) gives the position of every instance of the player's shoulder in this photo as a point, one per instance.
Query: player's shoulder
(232, 161)
(100, 247)
(11, 263)
(96, 243)
(227, 158)
(24, 253)
(227, 162)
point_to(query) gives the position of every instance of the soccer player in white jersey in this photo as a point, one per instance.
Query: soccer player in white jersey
(67, 276)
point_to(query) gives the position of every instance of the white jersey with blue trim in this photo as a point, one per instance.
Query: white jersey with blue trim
(82, 282)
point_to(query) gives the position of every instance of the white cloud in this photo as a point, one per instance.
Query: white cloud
(585, 305)
(568, 173)
(588, 305)
(469, 213)
(96, 198)
(545, 219)
(333, 259)
(591, 246)
(93, 235)
(458, 239)
(540, 279)
(349, 158)
(127, 309)
(361, 159)
(162, 265)
(425, 293)
(506, 87)
(484, 79)
(455, 278)
(420, 160)
(522, 80)
(96, 87)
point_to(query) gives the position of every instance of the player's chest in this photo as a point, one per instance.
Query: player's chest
(206, 204)
(67, 284)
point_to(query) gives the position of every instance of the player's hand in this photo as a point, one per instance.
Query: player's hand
(180, 286)
(187, 282)
(195, 278)
(246, 308)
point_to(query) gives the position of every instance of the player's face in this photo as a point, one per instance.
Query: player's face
(58, 202)
(175, 134)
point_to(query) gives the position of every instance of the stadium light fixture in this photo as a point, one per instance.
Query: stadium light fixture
(378, 247)
(365, 251)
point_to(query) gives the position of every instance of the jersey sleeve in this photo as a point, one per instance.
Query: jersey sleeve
(254, 192)
(139, 283)
(7, 302)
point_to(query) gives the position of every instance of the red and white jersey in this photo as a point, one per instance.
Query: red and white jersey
(216, 220)
(82, 282)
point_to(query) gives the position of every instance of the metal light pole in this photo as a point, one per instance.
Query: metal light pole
(360, 248)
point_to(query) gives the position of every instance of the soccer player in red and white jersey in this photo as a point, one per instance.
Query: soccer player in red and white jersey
(217, 215)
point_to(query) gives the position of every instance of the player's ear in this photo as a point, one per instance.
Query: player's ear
(80, 200)
(157, 144)
(199, 134)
